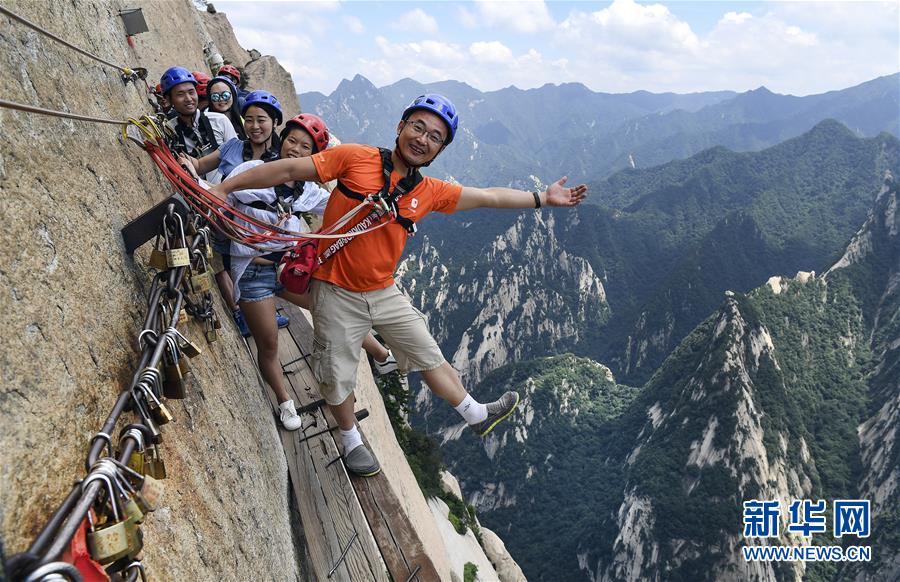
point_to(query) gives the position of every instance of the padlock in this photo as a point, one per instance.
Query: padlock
(182, 316)
(200, 276)
(154, 464)
(130, 509)
(136, 459)
(107, 542)
(217, 323)
(211, 334)
(146, 418)
(176, 256)
(189, 348)
(158, 411)
(184, 366)
(151, 492)
(173, 387)
(158, 257)
(173, 384)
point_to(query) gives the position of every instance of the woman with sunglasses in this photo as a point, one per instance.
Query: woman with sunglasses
(223, 99)
(254, 271)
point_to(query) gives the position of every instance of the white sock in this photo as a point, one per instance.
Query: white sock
(288, 405)
(472, 410)
(351, 439)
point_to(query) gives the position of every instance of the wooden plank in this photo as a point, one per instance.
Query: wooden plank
(397, 540)
(321, 536)
(364, 558)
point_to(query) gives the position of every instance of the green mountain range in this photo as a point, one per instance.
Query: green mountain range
(791, 391)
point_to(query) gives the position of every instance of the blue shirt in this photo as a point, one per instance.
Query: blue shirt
(231, 155)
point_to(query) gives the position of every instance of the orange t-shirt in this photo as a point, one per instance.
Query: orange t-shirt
(369, 263)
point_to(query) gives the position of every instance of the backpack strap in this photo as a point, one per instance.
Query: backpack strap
(390, 197)
(207, 132)
(406, 185)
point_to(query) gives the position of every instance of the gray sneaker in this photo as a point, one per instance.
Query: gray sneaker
(362, 462)
(497, 411)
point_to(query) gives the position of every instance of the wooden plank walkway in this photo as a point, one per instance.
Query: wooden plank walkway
(356, 528)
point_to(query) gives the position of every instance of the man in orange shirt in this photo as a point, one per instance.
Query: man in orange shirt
(353, 291)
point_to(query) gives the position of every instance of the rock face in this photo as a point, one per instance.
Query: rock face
(221, 33)
(266, 73)
(495, 309)
(72, 303)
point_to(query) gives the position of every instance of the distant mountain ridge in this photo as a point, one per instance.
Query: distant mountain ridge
(674, 238)
(786, 392)
(510, 135)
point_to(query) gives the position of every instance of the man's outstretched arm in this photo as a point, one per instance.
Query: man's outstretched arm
(268, 175)
(556, 195)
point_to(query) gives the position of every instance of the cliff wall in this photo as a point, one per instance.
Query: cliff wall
(73, 302)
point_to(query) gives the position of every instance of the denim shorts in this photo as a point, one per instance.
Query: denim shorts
(258, 282)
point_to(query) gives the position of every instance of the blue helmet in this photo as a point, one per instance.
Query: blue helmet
(175, 76)
(263, 98)
(439, 105)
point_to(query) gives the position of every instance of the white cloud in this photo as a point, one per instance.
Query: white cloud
(354, 24)
(490, 52)
(524, 17)
(416, 22)
(798, 48)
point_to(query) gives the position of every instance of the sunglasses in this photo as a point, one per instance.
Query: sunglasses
(223, 96)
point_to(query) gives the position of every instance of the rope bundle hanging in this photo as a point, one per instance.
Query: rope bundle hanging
(224, 217)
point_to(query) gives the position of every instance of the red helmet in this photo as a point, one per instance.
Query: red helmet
(314, 126)
(230, 70)
(202, 82)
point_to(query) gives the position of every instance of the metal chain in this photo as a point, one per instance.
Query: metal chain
(158, 336)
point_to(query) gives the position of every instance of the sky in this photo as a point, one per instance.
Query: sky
(797, 48)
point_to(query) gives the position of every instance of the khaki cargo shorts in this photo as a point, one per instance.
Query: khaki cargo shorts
(343, 318)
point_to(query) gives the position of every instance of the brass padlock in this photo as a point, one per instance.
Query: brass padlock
(211, 334)
(151, 492)
(200, 276)
(136, 461)
(189, 348)
(173, 382)
(182, 316)
(146, 417)
(173, 386)
(130, 509)
(107, 542)
(158, 411)
(158, 257)
(176, 256)
(155, 466)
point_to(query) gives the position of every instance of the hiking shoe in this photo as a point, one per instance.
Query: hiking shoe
(290, 420)
(241, 323)
(362, 462)
(282, 320)
(497, 411)
(387, 366)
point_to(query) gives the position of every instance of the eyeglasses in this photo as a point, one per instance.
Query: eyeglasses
(418, 128)
(222, 96)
